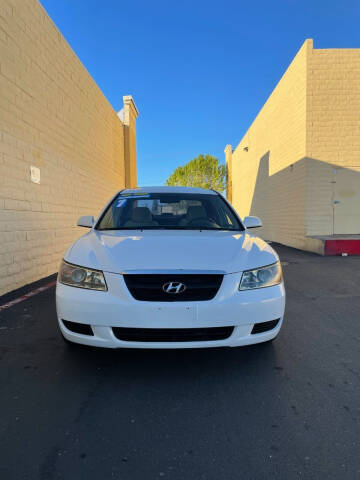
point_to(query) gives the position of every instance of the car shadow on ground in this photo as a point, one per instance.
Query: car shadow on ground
(244, 361)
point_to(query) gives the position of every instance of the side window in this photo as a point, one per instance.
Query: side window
(117, 211)
(223, 217)
(229, 222)
(152, 205)
(108, 219)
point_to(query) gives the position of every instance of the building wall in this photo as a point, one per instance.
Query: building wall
(130, 116)
(333, 138)
(268, 165)
(52, 116)
(289, 167)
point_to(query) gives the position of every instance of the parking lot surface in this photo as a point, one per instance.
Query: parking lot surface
(280, 411)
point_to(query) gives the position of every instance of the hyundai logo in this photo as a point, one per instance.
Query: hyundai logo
(174, 287)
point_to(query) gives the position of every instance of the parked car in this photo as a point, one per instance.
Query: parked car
(169, 267)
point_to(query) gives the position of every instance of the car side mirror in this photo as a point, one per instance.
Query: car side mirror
(252, 222)
(86, 221)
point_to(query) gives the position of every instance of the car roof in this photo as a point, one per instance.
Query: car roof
(169, 190)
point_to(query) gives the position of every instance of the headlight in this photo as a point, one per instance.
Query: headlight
(261, 277)
(81, 277)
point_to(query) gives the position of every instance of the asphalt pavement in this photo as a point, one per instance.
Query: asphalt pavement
(287, 410)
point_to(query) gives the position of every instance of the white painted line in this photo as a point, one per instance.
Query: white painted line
(27, 295)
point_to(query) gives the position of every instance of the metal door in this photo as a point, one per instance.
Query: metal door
(346, 201)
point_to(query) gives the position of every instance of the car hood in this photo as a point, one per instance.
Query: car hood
(119, 251)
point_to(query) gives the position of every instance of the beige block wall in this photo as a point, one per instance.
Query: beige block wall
(53, 116)
(130, 116)
(267, 179)
(307, 129)
(333, 131)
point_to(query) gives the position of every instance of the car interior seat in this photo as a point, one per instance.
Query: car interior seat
(141, 217)
(194, 212)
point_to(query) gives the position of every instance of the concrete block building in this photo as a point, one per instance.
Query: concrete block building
(298, 165)
(64, 151)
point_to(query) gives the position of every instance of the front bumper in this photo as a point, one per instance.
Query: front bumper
(117, 308)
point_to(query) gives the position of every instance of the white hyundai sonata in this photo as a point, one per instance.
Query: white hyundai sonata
(169, 267)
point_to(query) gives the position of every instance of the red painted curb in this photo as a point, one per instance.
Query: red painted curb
(337, 247)
(24, 297)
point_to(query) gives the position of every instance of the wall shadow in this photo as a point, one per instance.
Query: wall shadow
(307, 198)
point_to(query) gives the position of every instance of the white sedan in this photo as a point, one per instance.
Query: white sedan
(169, 267)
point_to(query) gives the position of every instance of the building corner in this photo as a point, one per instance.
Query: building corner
(130, 114)
(228, 160)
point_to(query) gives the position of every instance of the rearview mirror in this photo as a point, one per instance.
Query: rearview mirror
(86, 221)
(252, 222)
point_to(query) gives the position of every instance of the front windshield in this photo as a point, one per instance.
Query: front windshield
(154, 211)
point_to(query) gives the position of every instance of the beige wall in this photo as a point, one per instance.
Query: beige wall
(130, 116)
(285, 168)
(266, 179)
(53, 116)
(333, 140)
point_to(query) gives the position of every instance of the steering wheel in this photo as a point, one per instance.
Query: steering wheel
(202, 222)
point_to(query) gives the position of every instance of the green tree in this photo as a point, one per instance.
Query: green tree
(204, 171)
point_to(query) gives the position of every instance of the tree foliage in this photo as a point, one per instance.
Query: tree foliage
(204, 171)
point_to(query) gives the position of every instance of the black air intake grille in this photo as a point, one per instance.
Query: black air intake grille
(172, 334)
(81, 328)
(264, 326)
(149, 287)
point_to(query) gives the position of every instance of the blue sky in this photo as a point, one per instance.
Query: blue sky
(199, 71)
